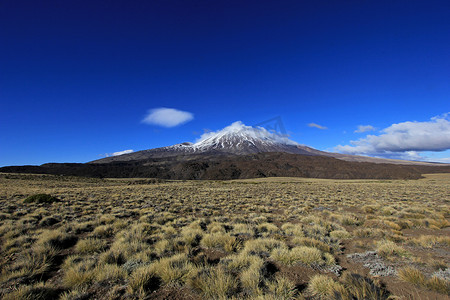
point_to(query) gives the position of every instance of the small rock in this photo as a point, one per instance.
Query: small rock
(443, 274)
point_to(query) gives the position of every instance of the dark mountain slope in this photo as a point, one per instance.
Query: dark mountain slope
(237, 167)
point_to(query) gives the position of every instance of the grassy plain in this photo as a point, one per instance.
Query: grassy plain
(272, 238)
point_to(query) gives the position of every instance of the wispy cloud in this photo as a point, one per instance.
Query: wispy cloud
(119, 153)
(167, 117)
(441, 160)
(317, 126)
(364, 128)
(404, 140)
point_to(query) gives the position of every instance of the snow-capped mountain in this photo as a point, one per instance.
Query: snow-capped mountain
(238, 151)
(240, 139)
(237, 139)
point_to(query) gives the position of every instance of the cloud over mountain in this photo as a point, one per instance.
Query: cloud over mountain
(404, 139)
(364, 128)
(119, 153)
(314, 125)
(167, 117)
(238, 128)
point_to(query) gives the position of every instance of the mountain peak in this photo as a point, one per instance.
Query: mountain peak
(238, 131)
(235, 139)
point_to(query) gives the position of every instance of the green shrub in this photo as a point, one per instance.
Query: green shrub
(41, 198)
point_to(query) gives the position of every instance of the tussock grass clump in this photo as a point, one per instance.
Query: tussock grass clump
(369, 209)
(310, 242)
(369, 232)
(416, 277)
(162, 247)
(340, 234)
(293, 229)
(281, 288)
(220, 240)
(40, 198)
(216, 227)
(78, 276)
(214, 283)
(429, 241)
(349, 219)
(388, 249)
(33, 263)
(360, 287)
(439, 285)
(392, 225)
(48, 221)
(82, 227)
(412, 275)
(33, 292)
(78, 271)
(405, 224)
(56, 239)
(435, 223)
(191, 236)
(251, 280)
(75, 294)
(252, 274)
(175, 270)
(90, 245)
(107, 219)
(243, 229)
(112, 257)
(263, 246)
(267, 229)
(301, 254)
(241, 261)
(324, 287)
(315, 231)
(110, 273)
(17, 243)
(138, 232)
(142, 280)
(103, 231)
(128, 250)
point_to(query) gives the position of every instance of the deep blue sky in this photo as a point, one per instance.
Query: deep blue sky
(78, 77)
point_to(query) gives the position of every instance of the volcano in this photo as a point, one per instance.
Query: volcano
(236, 139)
(237, 152)
(240, 139)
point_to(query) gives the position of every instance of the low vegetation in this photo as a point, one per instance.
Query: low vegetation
(278, 238)
(40, 198)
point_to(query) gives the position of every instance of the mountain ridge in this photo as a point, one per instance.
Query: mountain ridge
(240, 139)
(238, 152)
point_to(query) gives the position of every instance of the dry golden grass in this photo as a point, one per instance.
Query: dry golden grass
(417, 278)
(324, 287)
(246, 239)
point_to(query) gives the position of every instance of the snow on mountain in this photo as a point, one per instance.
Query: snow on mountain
(236, 138)
(239, 137)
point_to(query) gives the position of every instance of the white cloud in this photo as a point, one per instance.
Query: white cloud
(317, 126)
(364, 128)
(122, 152)
(119, 153)
(404, 140)
(445, 160)
(167, 117)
